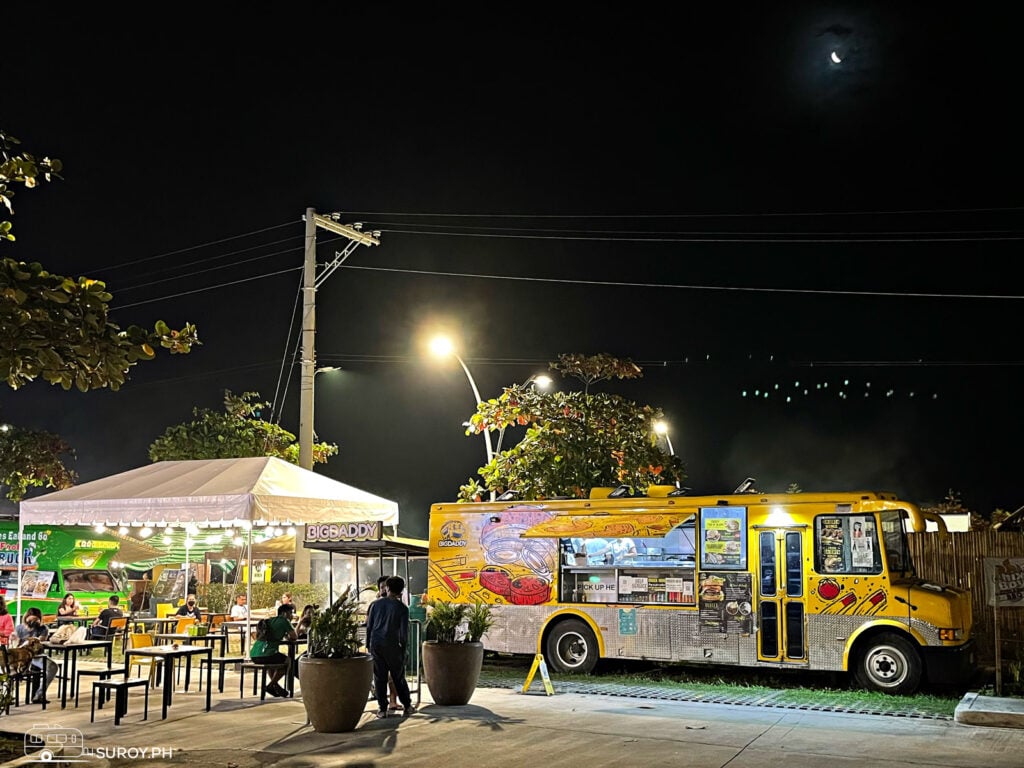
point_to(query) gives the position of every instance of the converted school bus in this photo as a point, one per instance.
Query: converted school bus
(815, 581)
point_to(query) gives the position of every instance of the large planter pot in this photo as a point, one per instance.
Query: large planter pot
(335, 691)
(452, 671)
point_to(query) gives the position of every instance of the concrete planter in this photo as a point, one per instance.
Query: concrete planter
(335, 691)
(452, 671)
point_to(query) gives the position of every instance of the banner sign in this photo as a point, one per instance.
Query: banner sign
(1005, 581)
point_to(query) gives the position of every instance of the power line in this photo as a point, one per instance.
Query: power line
(693, 287)
(763, 214)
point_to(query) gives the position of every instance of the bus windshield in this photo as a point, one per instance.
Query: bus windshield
(894, 537)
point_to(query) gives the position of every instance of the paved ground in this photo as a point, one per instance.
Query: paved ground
(504, 727)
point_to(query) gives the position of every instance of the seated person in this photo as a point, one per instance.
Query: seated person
(190, 610)
(100, 629)
(269, 634)
(305, 620)
(69, 606)
(32, 626)
(240, 609)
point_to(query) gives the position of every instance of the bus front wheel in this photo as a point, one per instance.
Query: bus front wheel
(890, 664)
(572, 647)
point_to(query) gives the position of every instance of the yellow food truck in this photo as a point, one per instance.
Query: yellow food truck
(818, 581)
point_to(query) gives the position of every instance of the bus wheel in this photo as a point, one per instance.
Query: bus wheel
(572, 647)
(890, 664)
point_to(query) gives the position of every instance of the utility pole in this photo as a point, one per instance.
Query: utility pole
(310, 283)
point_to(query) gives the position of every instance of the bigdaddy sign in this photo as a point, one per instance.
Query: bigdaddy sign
(327, 533)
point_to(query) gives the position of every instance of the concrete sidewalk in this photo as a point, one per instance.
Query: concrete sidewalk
(503, 727)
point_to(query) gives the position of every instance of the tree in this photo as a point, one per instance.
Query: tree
(30, 459)
(57, 327)
(574, 441)
(238, 432)
(21, 168)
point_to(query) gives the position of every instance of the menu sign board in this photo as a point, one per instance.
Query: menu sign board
(723, 540)
(724, 603)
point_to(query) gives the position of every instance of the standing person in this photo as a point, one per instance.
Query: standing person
(387, 633)
(32, 626)
(190, 610)
(69, 606)
(240, 609)
(269, 634)
(100, 628)
(6, 622)
(393, 705)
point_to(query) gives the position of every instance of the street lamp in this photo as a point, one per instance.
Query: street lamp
(662, 429)
(442, 346)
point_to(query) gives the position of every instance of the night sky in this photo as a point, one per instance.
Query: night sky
(706, 193)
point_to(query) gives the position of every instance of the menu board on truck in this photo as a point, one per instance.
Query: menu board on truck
(723, 541)
(724, 603)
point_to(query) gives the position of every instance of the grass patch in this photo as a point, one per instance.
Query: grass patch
(768, 687)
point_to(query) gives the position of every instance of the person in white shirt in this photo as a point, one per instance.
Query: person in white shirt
(240, 610)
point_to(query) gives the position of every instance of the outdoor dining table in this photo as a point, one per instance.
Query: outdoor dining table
(69, 669)
(240, 625)
(162, 624)
(79, 620)
(169, 653)
(183, 637)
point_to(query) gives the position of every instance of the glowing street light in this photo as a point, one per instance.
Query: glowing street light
(441, 346)
(662, 429)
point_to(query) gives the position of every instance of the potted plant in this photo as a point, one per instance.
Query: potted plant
(452, 661)
(334, 673)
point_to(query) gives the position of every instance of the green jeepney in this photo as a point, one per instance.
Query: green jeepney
(59, 560)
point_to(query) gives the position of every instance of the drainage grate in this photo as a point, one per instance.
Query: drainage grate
(758, 699)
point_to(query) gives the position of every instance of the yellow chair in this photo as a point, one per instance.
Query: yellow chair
(183, 625)
(144, 640)
(164, 610)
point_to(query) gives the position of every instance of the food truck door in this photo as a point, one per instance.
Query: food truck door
(782, 632)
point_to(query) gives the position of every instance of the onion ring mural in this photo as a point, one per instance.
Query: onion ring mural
(494, 561)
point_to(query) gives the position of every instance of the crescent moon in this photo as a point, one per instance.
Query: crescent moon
(835, 58)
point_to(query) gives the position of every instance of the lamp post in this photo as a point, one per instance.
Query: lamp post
(442, 347)
(662, 429)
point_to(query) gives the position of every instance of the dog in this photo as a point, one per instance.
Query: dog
(20, 659)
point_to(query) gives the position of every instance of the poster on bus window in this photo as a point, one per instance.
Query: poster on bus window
(723, 539)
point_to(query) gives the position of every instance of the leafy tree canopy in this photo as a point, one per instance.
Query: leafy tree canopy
(30, 459)
(56, 327)
(574, 441)
(238, 432)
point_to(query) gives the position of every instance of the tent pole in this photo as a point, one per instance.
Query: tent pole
(21, 561)
(248, 595)
(330, 577)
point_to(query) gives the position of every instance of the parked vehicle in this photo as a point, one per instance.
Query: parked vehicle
(819, 581)
(59, 560)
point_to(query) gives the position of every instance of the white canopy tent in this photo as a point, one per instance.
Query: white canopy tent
(236, 493)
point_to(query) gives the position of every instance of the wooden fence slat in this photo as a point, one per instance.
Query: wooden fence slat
(957, 560)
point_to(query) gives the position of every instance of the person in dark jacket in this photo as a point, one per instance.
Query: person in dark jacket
(387, 634)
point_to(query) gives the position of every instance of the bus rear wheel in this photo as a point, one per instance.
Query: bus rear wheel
(572, 647)
(889, 664)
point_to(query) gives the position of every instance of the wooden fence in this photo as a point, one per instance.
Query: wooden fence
(957, 560)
